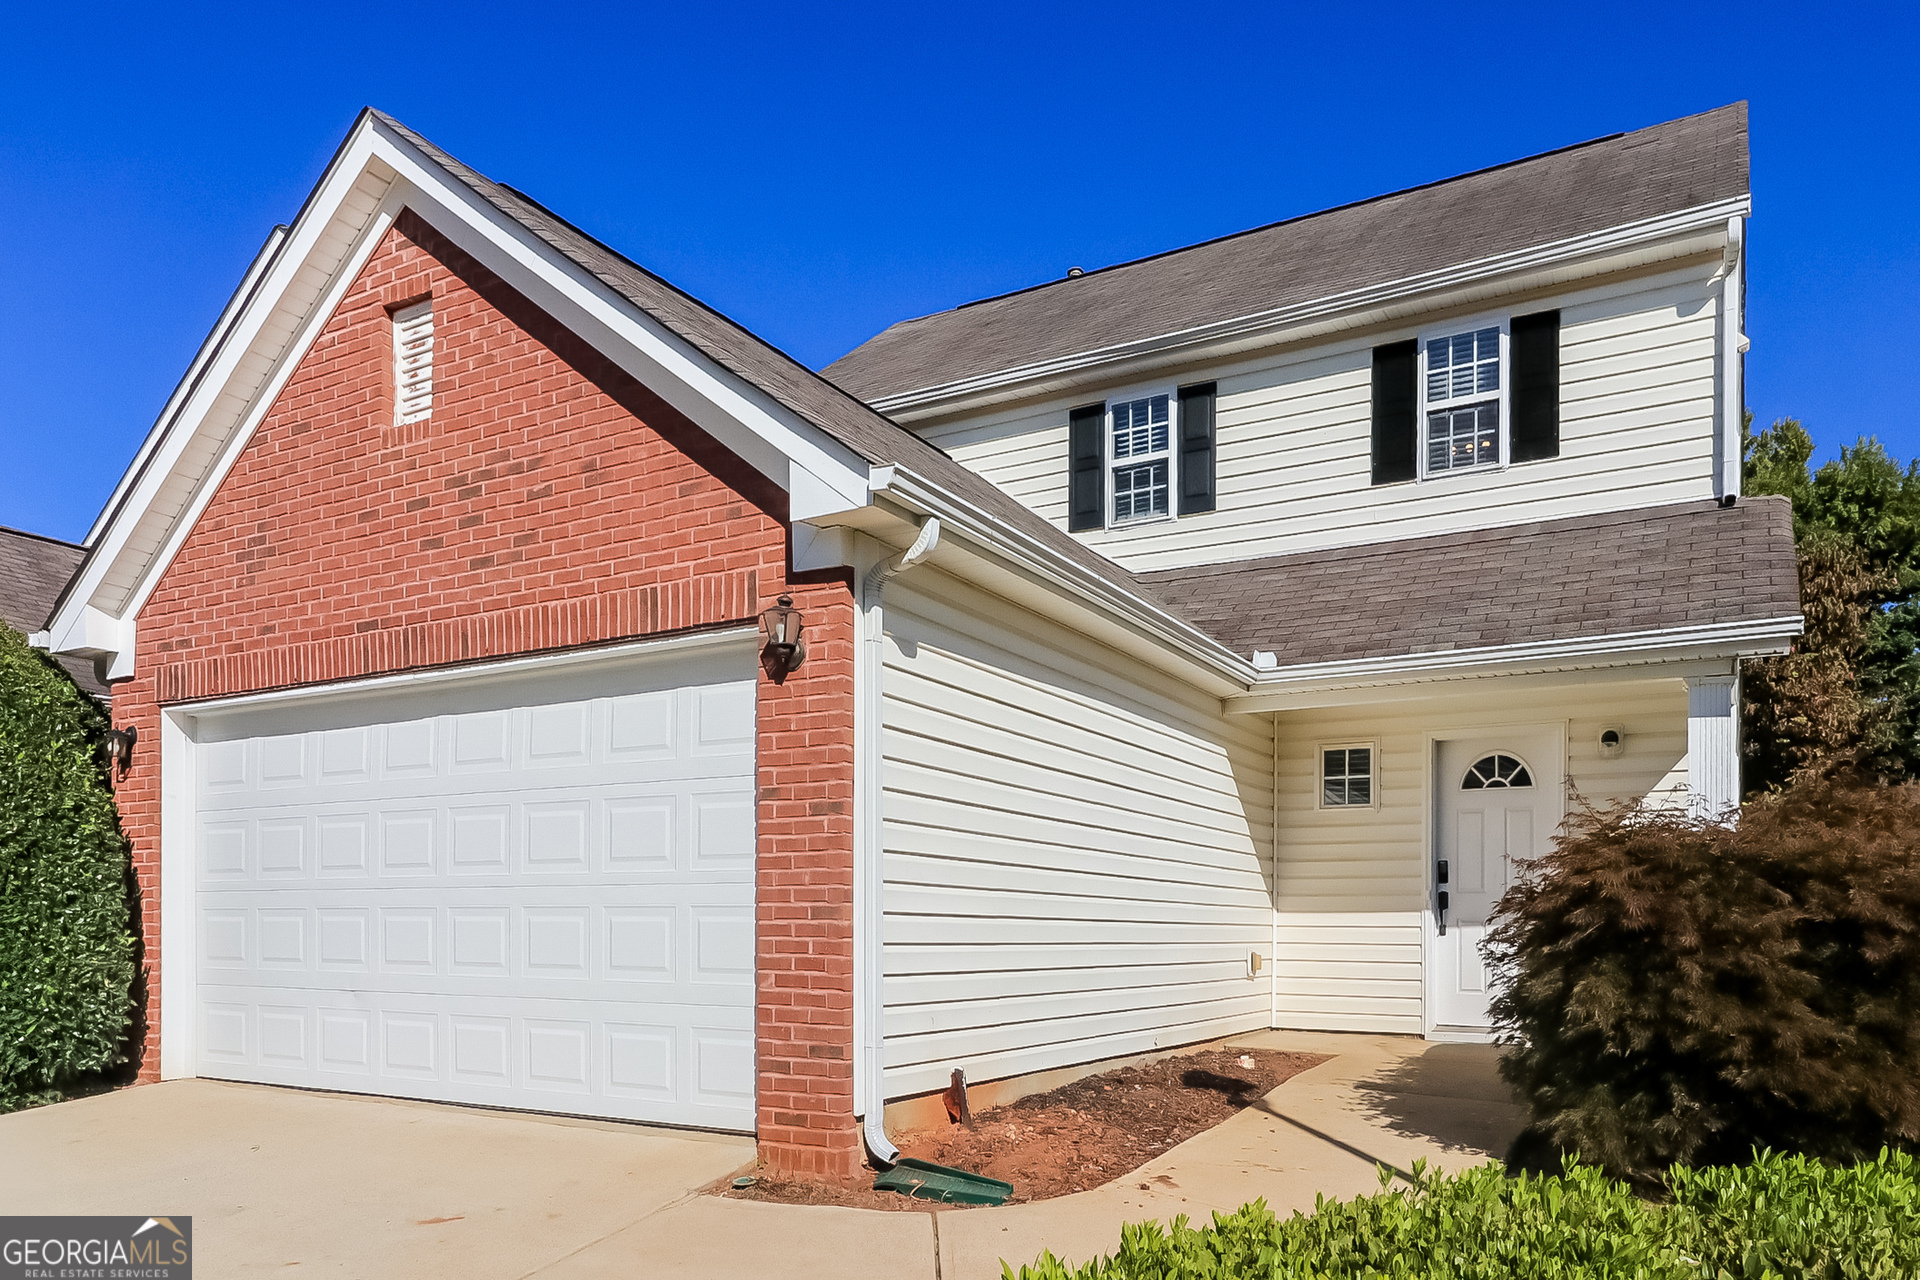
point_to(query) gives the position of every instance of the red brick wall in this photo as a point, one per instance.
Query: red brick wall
(550, 501)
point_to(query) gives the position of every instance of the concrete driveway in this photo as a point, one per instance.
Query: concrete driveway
(350, 1186)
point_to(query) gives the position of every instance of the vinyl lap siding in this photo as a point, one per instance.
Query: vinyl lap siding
(1076, 866)
(1352, 884)
(1293, 469)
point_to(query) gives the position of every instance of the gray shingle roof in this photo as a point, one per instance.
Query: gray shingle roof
(1606, 183)
(1637, 570)
(876, 438)
(33, 569)
(1583, 576)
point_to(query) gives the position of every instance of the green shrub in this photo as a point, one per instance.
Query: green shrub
(1774, 1219)
(1680, 993)
(1791, 1216)
(66, 947)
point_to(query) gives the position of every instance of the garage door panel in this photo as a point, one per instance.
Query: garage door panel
(671, 1063)
(546, 904)
(609, 834)
(681, 944)
(454, 788)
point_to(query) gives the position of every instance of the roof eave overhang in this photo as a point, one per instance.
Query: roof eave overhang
(290, 292)
(1668, 653)
(1702, 228)
(1133, 622)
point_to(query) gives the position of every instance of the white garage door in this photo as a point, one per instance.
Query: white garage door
(521, 892)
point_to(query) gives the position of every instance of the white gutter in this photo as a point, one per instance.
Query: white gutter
(1733, 346)
(1257, 673)
(1036, 557)
(1742, 639)
(869, 844)
(1555, 253)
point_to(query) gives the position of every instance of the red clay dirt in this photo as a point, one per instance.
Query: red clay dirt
(1074, 1138)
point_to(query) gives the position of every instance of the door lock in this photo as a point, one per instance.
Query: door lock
(1440, 895)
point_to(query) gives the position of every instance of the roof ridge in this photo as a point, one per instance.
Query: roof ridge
(1321, 213)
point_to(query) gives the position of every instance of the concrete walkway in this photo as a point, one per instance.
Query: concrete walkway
(352, 1186)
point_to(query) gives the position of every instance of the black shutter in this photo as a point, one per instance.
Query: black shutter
(1087, 491)
(1395, 413)
(1196, 449)
(1536, 387)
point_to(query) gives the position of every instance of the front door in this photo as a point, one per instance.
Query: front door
(1499, 801)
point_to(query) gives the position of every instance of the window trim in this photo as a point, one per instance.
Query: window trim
(1320, 776)
(1171, 455)
(1464, 324)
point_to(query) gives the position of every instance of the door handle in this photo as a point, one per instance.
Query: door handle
(1440, 895)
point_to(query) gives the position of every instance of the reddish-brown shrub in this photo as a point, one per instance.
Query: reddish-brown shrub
(1679, 992)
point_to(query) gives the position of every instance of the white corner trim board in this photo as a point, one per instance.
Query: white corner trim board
(1713, 746)
(1733, 348)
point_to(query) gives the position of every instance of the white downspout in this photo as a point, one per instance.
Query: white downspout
(869, 847)
(1732, 369)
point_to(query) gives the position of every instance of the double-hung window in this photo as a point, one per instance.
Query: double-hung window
(1141, 435)
(1463, 398)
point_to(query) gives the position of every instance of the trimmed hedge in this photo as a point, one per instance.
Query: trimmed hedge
(1679, 992)
(1778, 1218)
(66, 944)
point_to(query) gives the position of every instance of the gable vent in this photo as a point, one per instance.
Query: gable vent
(413, 363)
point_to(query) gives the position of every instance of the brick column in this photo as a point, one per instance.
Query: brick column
(804, 1008)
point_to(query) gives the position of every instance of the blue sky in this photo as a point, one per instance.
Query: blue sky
(818, 173)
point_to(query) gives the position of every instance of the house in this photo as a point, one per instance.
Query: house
(1187, 647)
(33, 569)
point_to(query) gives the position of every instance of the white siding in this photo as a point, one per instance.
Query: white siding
(1352, 884)
(1293, 466)
(1077, 860)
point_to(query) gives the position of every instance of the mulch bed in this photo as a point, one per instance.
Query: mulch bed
(1077, 1137)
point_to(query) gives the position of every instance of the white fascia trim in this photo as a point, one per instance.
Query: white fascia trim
(202, 402)
(215, 342)
(717, 399)
(1556, 253)
(825, 476)
(970, 522)
(263, 401)
(1721, 639)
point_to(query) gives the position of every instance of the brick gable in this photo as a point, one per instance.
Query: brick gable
(551, 501)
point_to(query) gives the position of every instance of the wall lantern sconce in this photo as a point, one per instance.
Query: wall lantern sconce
(784, 650)
(120, 749)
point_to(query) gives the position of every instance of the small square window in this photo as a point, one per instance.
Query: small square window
(1346, 777)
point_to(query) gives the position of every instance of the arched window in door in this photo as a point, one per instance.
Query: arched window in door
(1496, 770)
